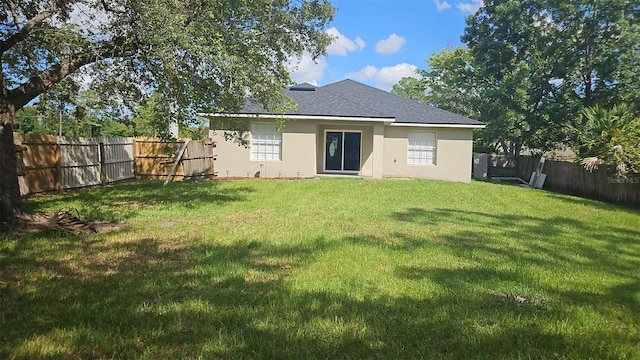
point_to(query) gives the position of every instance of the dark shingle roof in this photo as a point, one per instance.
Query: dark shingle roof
(348, 98)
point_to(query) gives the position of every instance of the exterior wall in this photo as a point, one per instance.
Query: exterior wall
(297, 155)
(454, 149)
(384, 152)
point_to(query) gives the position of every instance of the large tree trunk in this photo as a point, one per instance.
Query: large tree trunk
(10, 201)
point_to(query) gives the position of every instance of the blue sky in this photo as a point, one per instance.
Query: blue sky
(380, 41)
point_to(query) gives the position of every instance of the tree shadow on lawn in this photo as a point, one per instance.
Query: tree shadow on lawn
(560, 247)
(540, 239)
(124, 200)
(148, 299)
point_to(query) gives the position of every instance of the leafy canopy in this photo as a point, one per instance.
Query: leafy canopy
(610, 137)
(530, 68)
(205, 54)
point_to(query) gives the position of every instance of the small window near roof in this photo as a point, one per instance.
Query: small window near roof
(266, 142)
(421, 148)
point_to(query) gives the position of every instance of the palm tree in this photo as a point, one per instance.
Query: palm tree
(601, 138)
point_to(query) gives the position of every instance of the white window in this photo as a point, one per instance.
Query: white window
(266, 142)
(421, 149)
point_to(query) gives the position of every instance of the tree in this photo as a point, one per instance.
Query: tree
(564, 55)
(610, 137)
(531, 66)
(411, 88)
(149, 121)
(28, 121)
(453, 82)
(456, 82)
(111, 128)
(512, 46)
(197, 55)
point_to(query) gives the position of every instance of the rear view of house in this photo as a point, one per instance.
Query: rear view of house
(347, 128)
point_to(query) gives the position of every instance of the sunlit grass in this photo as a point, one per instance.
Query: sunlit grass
(325, 268)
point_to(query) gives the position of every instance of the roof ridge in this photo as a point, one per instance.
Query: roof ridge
(360, 104)
(377, 91)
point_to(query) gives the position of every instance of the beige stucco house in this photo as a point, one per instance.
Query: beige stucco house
(347, 128)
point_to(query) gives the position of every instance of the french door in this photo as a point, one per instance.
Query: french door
(342, 151)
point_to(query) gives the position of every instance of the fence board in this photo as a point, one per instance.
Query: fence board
(570, 178)
(155, 157)
(117, 158)
(573, 179)
(198, 161)
(511, 166)
(23, 184)
(79, 162)
(41, 160)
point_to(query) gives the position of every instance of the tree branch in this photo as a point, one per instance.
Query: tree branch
(42, 82)
(14, 13)
(21, 34)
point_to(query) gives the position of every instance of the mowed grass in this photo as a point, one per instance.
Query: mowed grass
(325, 269)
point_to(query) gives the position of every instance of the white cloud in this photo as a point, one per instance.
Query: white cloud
(470, 7)
(442, 5)
(390, 45)
(306, 69)
(341, 44)
(384, 78)
(367, 73)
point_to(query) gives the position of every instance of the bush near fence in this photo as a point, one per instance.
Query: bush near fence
(53, 163)
(567, 178)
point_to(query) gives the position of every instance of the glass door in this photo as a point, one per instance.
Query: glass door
(342, 151)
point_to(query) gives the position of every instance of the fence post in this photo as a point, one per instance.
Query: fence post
(58, 178)
(103, 174)
(135, 157)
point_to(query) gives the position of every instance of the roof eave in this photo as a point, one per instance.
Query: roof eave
(385, 120)
(434, 125)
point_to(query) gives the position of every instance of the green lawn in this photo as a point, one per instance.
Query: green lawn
(325, 269)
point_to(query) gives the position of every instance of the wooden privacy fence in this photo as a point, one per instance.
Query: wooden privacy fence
(50, 163)
(565, 177)
(38, 158)
(571, 178)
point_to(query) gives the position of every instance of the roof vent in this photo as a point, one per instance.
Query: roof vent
(303, 87)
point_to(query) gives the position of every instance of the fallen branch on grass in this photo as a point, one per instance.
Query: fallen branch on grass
(65, 220)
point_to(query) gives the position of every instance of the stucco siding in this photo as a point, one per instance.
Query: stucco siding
(453, 154)
(383, 152)
(297, 155)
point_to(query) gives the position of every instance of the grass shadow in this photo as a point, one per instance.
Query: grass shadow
(450, 286)
(543, 248)
(124, 201)
(145, 300)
